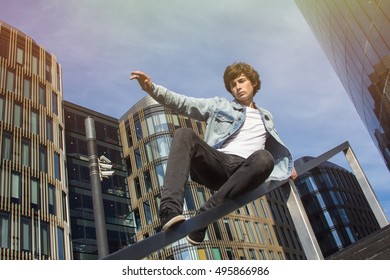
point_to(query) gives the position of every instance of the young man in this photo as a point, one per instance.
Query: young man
(241, 148)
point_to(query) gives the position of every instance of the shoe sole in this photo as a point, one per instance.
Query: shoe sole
(193, 242)
(172, 222)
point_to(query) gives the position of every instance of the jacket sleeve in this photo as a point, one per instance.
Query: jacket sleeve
(196, 108)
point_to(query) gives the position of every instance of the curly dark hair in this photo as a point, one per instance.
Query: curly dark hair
(236, 69)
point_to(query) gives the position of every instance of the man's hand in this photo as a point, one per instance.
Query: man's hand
(144, 80)
(294, 174)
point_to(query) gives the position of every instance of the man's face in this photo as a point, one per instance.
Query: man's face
(242, 89)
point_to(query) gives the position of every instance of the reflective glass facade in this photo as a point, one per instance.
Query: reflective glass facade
(260, 230)
(119, 219)
(336, 206)
(34, 217)
(356, 39)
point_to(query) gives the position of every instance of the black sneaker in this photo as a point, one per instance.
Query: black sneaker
(170, 218)
(196, 237)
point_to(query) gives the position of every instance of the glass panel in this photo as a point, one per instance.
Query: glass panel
(10, 81)
(34, 122)
(17, 115)
(25, 232)
(16, 187)
(7, 146)
(4, 230)
(52, 201)
(26, 152)
(27, 88)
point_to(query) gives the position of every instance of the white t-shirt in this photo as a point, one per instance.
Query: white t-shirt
(249, 138)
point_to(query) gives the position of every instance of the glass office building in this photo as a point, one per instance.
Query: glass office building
(356, 39)
(118, 218)
(34, 217)
(259, 230)
(335, 205)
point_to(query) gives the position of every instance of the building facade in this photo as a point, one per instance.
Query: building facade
(259, 230)
(118, 218)
(355, 37)
(34, 217)
(335, 205)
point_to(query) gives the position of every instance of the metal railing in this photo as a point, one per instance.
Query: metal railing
(301, 222)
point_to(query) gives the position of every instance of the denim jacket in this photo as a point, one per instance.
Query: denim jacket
(223, 118)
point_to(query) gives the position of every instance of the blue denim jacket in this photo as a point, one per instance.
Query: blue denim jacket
(223, 118)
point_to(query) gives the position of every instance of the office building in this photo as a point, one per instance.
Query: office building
(336, 206)
(355, 37)
(34, 210)
(119, 221)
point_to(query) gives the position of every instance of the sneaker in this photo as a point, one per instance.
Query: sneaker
(170, 218)
(196, 237)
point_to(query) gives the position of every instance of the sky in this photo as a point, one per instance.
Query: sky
(186, 45)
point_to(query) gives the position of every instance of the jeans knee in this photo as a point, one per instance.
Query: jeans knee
(264, 159)
(183, 133)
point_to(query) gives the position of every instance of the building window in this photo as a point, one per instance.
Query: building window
(259, 233)
(35, 194)
(34, 65)
(57, 167)
(27, 88)
(34, 122)
(138, 159)
(228, 230)
(1, 109)
(49, 129)
(19, 56)
(17, 115)
(4, 230)
(26, 152)
(52, 200)
(138, 128)
(160, 171)
(42, 159)
(7, 146)
(157, 123)
(54, 103)
(269, 235)
(148, 213)
(216, 254)
(148, 181)
(45, 239)
(25, 234)
(229, 253)
(60, 247)
(16, 185)
(11, 81)
(264, 209)
(42, 95)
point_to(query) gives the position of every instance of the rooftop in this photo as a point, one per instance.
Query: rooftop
(376, 246)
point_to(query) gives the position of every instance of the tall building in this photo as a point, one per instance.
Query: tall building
(34, 210)
(355, 37)
(336, 206)
(119, 220)
(260, 230)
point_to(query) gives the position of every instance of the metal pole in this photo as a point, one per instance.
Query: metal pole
(96, 187)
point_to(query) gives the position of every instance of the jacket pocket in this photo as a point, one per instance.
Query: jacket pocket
(222, 122)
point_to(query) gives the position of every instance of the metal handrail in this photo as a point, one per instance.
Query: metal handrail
(151, 244)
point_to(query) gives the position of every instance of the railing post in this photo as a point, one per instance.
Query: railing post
(301, 222)
(366, 187)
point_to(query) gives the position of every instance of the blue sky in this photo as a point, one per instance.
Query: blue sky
(185, 45)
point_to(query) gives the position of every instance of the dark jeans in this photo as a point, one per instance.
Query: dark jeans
(229, 175)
